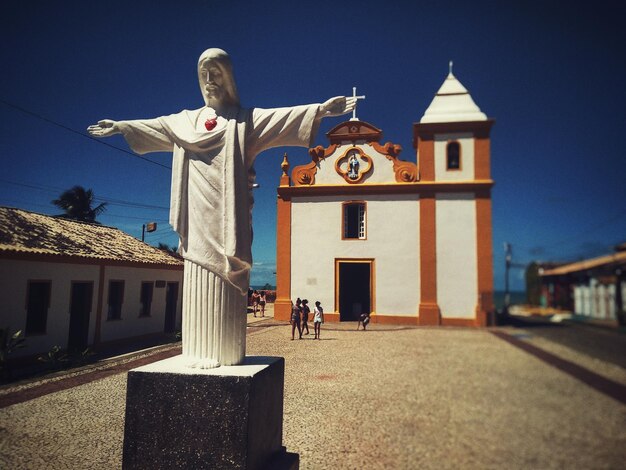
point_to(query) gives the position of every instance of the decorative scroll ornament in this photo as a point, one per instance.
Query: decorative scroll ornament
(304, 175)
(353, 165)
(406, 172)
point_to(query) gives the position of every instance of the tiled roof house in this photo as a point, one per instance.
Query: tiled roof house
(594, 288)
(73, 284)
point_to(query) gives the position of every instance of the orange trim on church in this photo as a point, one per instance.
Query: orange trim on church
(426, 160)
(484, 252)
(282, 305)
(429, 313)
(427, 131)
(464, 322)
(372, 286)
(333, 317)
(405, 172)
(304, 175)
(392, 188)
(482, 164)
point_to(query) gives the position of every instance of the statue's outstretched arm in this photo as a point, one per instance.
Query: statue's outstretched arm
(104, 128)
(337, 106)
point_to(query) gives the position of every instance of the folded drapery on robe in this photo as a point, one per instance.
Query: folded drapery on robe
(212, 175)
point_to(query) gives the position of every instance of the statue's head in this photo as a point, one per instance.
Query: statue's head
(217, 82)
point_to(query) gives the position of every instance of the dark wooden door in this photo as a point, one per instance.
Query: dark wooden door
(171, 301)
(80, 310)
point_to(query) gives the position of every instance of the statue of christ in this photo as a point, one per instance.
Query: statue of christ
(214, 148)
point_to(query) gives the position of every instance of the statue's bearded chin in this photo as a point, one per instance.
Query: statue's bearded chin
(214, 97)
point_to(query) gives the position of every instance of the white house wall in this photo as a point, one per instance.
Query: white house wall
(131, 324)
(13, 294)
(466, 172)
(15, 275)
(392, 232)
(457, 278)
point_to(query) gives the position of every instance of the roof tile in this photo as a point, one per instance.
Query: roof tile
(29, 232)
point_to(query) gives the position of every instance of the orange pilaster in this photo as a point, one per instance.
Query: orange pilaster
(429, 313)
(282, 305)
(482, 165)
(426, 155)
(485, 308)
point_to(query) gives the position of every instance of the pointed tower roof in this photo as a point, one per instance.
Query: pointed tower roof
(452, 103)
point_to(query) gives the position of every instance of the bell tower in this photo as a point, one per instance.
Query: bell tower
(453, 153)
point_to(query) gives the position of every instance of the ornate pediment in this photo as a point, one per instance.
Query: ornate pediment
(356, 156)
(353, 131)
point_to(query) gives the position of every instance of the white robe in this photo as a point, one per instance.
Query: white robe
(212, 176)
(211, 207)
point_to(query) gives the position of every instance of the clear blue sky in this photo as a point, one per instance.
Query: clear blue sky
(551, 74)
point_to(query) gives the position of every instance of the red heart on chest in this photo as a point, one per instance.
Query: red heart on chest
(210, 124)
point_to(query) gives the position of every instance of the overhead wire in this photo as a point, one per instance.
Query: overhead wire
(108, 200)
(87, 136)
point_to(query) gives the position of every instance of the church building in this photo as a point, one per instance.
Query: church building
(408, 242)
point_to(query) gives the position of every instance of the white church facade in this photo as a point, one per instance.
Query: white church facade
(407, 242)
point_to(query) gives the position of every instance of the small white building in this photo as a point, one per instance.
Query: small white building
(73, 285)
(407, 241)
(594, 288)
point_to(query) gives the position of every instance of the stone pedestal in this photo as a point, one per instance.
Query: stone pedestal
(228, 417)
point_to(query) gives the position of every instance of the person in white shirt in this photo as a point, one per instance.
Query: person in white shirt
(318, 319)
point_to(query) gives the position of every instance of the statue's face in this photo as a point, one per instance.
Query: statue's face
(211, 82)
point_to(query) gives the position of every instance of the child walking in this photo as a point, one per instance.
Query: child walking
(295, 319)
(318, 319)
(305, 316)
(262, 300)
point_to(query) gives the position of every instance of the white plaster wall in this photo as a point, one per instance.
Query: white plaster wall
(457, 276)
(609, 301)
(14, 276)
(392, 240)
(581, 300)
(600, 303)
(578, 298)
(582, 305)
(131, 324)
(466, 173)
(382, 171)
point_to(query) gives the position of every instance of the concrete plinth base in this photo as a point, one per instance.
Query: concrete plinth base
(228, 417)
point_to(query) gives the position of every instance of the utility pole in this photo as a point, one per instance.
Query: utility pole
(508, 253)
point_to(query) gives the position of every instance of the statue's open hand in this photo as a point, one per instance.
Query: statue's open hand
(338, 105)
(104, 128)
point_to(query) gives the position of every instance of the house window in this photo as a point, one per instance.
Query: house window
(453, 156)
(354, 220)
(116, 298)
(147, 288)
(37, 305)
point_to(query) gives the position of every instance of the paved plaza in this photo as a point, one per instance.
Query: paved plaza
(389, 398)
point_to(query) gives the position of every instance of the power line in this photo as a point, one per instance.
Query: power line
(67, 128)
(108, 200)
(105, 214)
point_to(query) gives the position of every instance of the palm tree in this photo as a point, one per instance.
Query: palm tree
(166, 247)
(78, 205)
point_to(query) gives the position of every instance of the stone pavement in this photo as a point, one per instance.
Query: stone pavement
(390, 397)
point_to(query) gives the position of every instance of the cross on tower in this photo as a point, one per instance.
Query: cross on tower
(361, 97)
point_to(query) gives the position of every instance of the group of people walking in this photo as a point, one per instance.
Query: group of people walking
(258, 299)
(300, 318)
